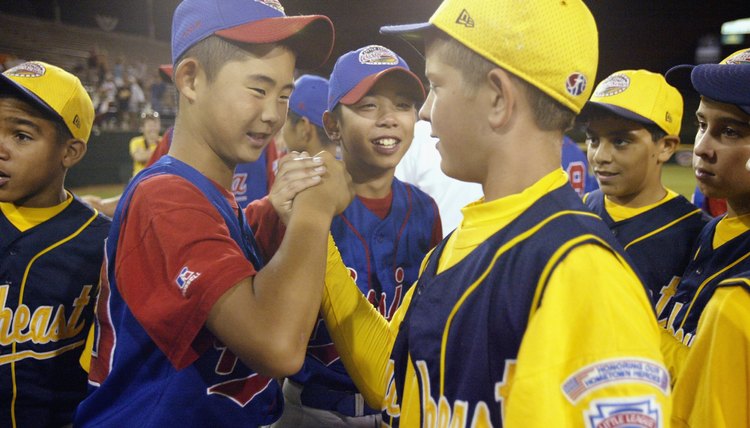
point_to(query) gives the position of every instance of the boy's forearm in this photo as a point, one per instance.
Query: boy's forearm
(289, 287)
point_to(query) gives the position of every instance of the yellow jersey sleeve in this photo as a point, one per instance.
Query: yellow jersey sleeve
(713, 388)
(590, 355)
(364, 339)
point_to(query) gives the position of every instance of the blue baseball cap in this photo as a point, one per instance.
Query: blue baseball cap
(309, 98)
(726, 82)
(252, 21)
(356, 72)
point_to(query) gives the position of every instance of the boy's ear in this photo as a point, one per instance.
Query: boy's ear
(74, 151)
(185, 77)
(332, 127)
(503, 95)
(669, 145)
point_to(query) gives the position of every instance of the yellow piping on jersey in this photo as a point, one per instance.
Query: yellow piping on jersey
(547, 271)
(703, 284)
(20, 301)
(502, 250)
(666, 226)
(10, 358)
(735, 281)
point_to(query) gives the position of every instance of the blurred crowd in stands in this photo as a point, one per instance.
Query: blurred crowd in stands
(121, 89)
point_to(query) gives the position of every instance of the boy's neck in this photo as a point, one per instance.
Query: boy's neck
(736, 208)
(517, 162)
(649, 196)
(198, 154)
(373, 187)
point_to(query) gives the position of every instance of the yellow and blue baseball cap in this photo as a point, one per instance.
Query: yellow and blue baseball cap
(356, 72)
(640, 96)
(252, 21)
(726, 82)
(551, 44)
(309, 98)
(53, 91)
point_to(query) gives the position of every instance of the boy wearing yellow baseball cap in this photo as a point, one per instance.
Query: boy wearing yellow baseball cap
(510, 322)
(706, 340)
(632, 125)
(51, 245)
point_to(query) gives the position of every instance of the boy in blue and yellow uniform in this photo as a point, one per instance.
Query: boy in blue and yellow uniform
(517, 316)
(383, 234)
(705, 336)
(51, 246)
(632, 129)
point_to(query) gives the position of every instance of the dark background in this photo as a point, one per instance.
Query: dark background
(650, 34)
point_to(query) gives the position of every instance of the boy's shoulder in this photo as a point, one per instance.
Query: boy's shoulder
(418, 193)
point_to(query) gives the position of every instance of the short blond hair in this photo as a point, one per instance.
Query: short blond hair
(548, 114)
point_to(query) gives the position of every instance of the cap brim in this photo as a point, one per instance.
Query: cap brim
(728, 84)
(364, 86)
(616, 110)
(679, 77)
(415, 31)
(310, 36)
(9, 86)
(165, 72)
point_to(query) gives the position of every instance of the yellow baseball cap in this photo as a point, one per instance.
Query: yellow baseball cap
(54, 91)
(551, 44)
(641, 96)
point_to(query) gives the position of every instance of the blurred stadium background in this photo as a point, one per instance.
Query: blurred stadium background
(115, 47)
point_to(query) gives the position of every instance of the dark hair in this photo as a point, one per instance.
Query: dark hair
(294, 119)
(594, 113)
(213, 52)
(62, 133)
(548, 113)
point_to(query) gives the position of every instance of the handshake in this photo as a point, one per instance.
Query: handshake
(308, 184)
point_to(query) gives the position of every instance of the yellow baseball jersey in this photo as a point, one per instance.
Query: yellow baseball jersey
(589, 353)
(722, 251)
(136, 143)
(713, 388)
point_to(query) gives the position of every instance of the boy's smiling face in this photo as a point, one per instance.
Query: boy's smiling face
(31, 157)
(722, 147)
(246, 104)
(376, 131)
(625, 159)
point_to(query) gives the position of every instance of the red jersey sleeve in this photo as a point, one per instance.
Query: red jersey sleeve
(175, 258)
(162, 148)
(267, 226)
(272, 157)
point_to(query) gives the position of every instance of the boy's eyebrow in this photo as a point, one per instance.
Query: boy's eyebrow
(269, 80)
(731, 120)
(21, 121)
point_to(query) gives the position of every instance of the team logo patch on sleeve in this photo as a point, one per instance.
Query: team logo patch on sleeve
(185, 278)
(610, 372)
(633, 413)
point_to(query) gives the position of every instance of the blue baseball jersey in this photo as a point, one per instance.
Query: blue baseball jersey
(49, 277)
(133, 381)
(465, 323)
(383, 257)
(659, 241)
(681, 305)
(574, 163)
